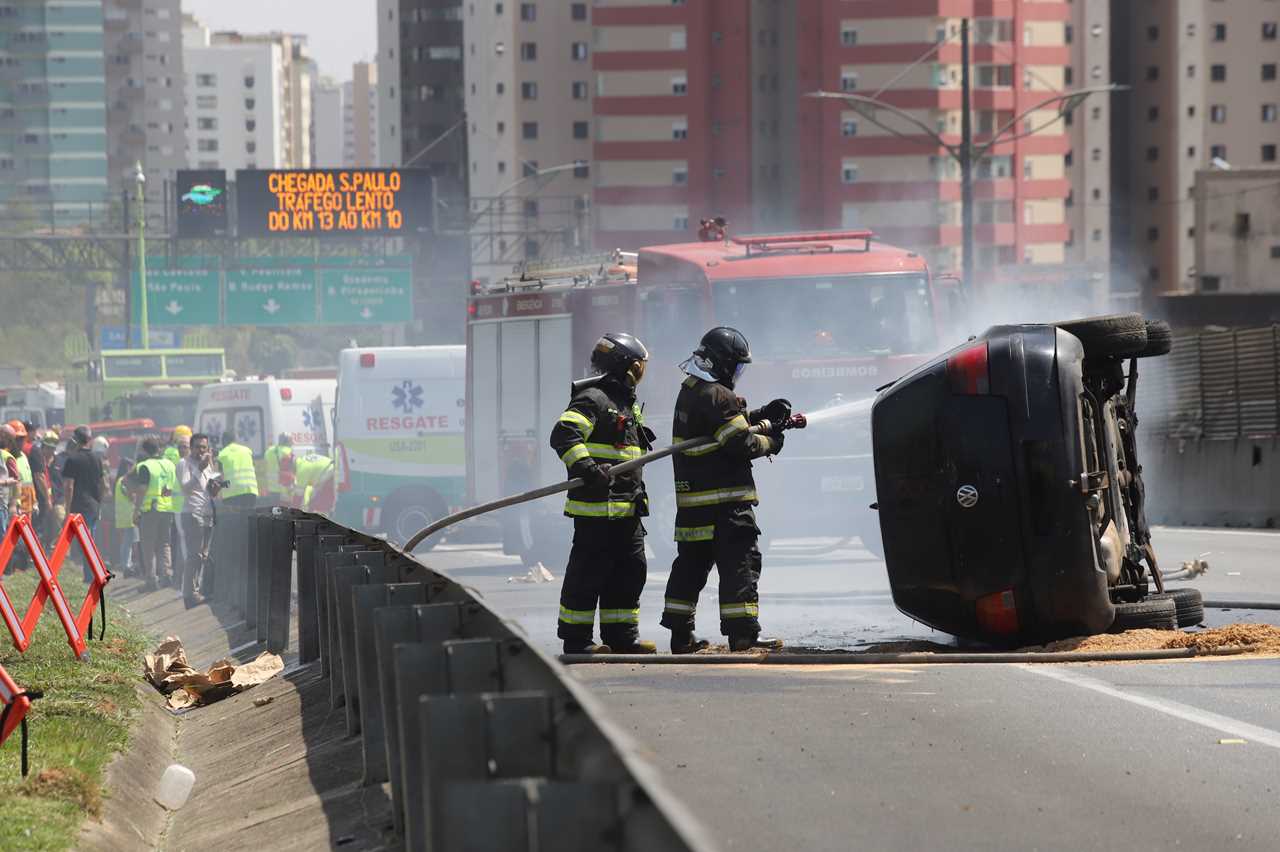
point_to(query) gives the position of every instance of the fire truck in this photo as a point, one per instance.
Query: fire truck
(830, 317)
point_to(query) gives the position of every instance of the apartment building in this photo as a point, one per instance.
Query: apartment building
(53, 123)
(1205, 94)
(701, 111)
(328, 115)
(529, 125)
(145, 98)
(360, 116)
(297, 79)
(236, 101)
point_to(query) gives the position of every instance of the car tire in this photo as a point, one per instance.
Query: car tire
(1111, 336)
(1160, 614)
(1188, 603)
(1159, 339)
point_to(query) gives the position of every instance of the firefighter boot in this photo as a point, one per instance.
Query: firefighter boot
(686, 643)
(750, 643)
(589, 647)
(640, 646)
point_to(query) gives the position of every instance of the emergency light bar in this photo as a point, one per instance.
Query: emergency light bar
(766, 242)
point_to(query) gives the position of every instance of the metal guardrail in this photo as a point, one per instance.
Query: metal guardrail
(1214, 385)
(486, 742)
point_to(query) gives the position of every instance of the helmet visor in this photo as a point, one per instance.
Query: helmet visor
(738, 371)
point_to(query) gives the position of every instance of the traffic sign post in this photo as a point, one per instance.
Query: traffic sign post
(180, 296)
(365, 296)
(277, 296)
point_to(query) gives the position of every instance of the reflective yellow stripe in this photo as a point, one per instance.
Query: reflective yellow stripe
(739, 610)
(677, 605)
(576, 453)
(601, 509)
(715, 496)
(706, 533)
(612, 453)
(577, 616)
(573, 418)
(733, 427)
(620, 616)
(696, 451)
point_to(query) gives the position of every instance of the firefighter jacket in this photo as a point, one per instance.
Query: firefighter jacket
(603, 424)
(718, 474)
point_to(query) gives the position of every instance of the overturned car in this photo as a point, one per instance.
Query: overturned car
(1009, 490)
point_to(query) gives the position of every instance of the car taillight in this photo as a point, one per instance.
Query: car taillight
(967, 370)
(286, 394)
(998, 613)
(366, 359)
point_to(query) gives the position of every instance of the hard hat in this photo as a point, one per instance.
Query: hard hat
(183, 431)
(18, 428)
(620, 354)
(727, 351)
(50, 439)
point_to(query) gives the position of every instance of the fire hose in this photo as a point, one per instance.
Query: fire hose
(795, 421)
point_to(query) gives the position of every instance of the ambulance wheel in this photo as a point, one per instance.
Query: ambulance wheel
(409, 510)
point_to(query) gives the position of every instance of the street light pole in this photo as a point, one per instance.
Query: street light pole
(140, 180)
(966, 158)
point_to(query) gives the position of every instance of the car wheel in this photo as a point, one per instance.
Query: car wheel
(1188, 603)
(1159, 339)
(407, 512)
(1159, 614)
(1111, 336)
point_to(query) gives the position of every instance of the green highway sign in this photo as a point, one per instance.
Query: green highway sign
(283, 295)
(365, 295)
(178, 297)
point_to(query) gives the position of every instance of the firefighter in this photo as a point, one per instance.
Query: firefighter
(276, 465)
(604, 425)
(715, 493)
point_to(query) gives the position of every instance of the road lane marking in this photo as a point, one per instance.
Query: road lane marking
(1178, 710)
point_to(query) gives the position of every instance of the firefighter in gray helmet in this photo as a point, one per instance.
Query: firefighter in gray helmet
(716, 493)
(602, 426)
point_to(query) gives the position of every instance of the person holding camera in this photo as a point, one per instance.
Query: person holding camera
(198, 481)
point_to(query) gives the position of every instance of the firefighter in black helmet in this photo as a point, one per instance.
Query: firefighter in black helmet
(603, 426)
(715, 493)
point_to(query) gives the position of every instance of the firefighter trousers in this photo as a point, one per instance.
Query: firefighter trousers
(735, 554)
(606, 567)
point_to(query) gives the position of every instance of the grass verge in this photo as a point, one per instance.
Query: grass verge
(76, 728)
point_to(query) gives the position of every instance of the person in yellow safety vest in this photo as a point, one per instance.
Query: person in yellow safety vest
(235, 460)
(26, 482)
(179, 448)
(126, 530)
(311, 471)
(154, 481)
(275, 467)
(8, 477)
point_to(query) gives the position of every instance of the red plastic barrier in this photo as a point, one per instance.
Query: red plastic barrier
(16, 704)
(22, 630)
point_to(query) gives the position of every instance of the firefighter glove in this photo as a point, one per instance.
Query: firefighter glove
(777, 412)
(598, 475)
(776, 440)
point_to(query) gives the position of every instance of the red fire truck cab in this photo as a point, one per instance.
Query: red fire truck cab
(830, 316)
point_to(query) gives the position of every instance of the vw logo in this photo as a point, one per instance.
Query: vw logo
(967, 496)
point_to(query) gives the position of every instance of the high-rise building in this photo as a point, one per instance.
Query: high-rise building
(297, 75)
(420, 84)
(1205, 94)
(145, 99)
(701, 111)
(360, 121)
(529, 123)
(235, 101)
(328, 120)
(53, 123)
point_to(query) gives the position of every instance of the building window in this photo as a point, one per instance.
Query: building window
(529, 130)
(529, 91)
(1268, 153)
(249, 104)
(206, 123)
(1275, 252)
(1096, 235)
(529, 51)
(578, 90)
(680, 223)
(1218, 151)
(1268, 113)
(531, 207)
(1153, 272)
(1268, 30)
(849, 173)
(1219, 32)
(528, 12)
(502, 167)
(1027, 169)
(1153, 113)
(849, 127)
(206, 80)
(207, 145)
(1153, 33)
(250, 147)
(1191, 72)
(1218, 73)
(1153, 234)
(578, 11)
(497, 8)
(1191, 111)
(848, 36)
(580, 130)
(1191, 151)
(528, 168)
(248, 81)
(500, 88)
(848, 81)
(1153, 154)
(680, 176)
(1218, 114)
(1153, 72)
(679, 130)
(1269, 71)
(1096, 155)
(582, 171)
(501, 127)
(578, 51)
(679, 85)
(211, 102)
(1153, 193)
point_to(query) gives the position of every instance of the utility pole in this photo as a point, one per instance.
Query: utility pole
(966, 158)
(141, 180)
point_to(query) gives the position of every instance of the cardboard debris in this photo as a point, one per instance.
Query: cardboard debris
(168, 670)
(537, 574)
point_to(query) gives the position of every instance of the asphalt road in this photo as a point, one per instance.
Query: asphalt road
(1133, 756)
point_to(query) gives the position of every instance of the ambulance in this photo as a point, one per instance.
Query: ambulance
(399, 453)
